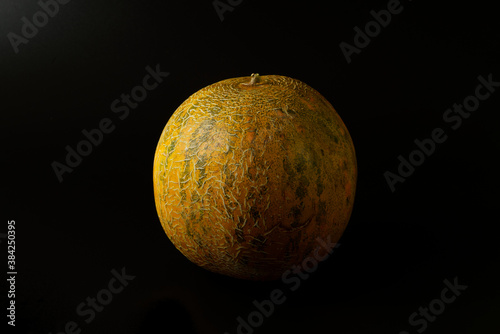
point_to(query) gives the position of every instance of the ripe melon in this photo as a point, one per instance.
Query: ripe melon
(250, 171)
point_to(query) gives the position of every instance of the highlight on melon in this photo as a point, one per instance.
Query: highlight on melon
(250, 171)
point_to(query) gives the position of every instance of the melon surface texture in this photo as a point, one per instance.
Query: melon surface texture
(250, 171)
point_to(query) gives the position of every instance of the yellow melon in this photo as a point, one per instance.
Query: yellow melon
(250, 171)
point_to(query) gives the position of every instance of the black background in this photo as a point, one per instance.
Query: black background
(398, 248)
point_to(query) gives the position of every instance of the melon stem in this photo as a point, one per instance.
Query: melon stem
(255, 78)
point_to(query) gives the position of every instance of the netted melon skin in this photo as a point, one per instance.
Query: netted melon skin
(247, 177)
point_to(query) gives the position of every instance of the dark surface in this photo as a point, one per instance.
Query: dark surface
(399, 246)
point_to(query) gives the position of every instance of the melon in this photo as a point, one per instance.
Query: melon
(249, 172)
